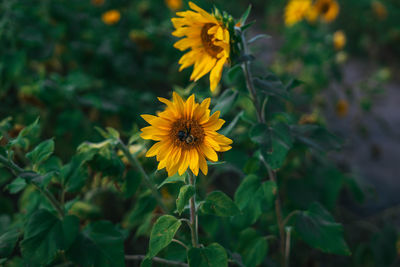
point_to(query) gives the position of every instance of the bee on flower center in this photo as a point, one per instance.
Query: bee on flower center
(186, 136)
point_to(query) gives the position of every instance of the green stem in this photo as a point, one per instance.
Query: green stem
(135, 162)
(194, 227)
(261, 119)
(249, 80)
(18, 171)
(287, 249)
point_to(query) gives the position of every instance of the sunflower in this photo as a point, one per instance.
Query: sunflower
(339, 40)
(209, 42)
(186, 135)
(296, 10)
(327, 9)
(111, 17)
(174, 4)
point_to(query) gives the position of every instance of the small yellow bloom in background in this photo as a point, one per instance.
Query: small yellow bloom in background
(208, 40)
(186, 135)
(342, 108)
(174, 4)
(97, 2)
(111, 17)
(339, 40)
(296, 10)
(327, 9)
(379, 10)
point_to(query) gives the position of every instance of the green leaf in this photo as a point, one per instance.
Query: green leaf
(247, 191)
(252, 247)
(41, 152)
(162, 233)
(258, 37)
(319, 230)
(228, 129)
(173, 179)
(269, 189)
(17, 185)
(217, 203)
(213, 255)
(271, 85)
(45, 234)
(245, 15)
(7, 242)
(185, 193)
(260, 134)
(143, 208)
(252, 197)
(226, 101)
(73, 175)
(281, 143)
(99, 244)
(26, 135)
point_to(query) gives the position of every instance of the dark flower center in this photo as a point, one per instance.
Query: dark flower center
(325, 8)
(208, 44)
(187, 133)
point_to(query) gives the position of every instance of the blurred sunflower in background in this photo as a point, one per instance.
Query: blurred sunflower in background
(174, 4)
(379, 10)
(339, 40)
(296, 10)
(327, 9)
(208, 40)
(111, 17)
(186, 135)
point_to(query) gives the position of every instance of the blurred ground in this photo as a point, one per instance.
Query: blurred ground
(372, 140)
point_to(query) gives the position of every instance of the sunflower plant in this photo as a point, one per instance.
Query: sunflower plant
(236, 175)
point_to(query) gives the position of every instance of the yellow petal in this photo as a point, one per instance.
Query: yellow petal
(203, 165)
(216, 73)
(194, 161)
(153, 150)
(209, 153)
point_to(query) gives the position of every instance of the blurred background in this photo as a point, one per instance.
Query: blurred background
(78, 64)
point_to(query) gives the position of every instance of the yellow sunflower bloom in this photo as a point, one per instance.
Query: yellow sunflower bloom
(174, 4)
(111, 17)
(339, 40)
(379, 10)
(208, 40)
(186, 135)
(327, 9)
(296, 10)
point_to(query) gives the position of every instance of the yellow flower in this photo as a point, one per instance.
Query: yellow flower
(339, 40)
(296, 10)
(186, 135)
(111, 17)
(174, 4)
(342, 108)
(312, 14)
(327, 9)
(379, 10)
(208, 40)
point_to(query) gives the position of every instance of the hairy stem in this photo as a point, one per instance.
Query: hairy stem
(261, 119)
(156, 259)
(194, 227)
(287, 249)
(134, 161)
(249, 80)
(18, 171)
(180, 243)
